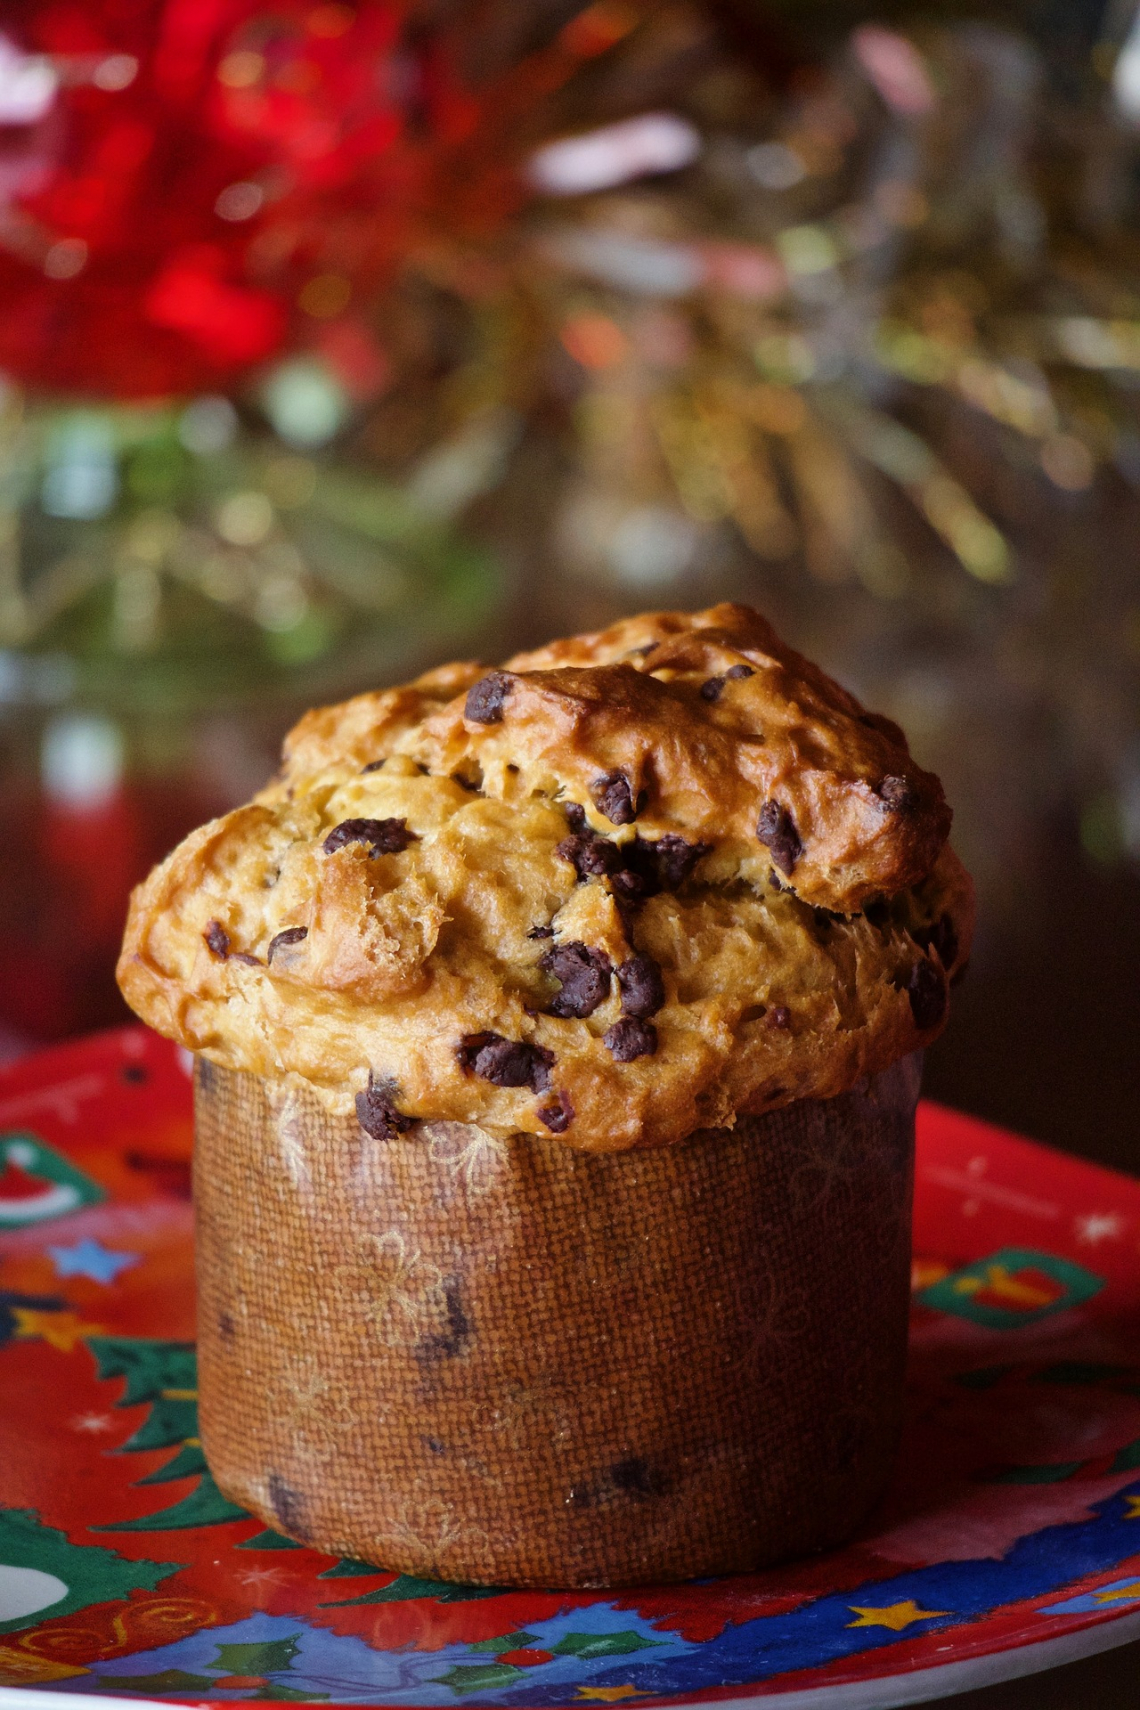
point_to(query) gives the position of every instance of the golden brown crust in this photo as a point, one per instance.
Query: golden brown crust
(679, 788)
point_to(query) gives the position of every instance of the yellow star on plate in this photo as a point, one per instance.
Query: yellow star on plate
(896, 1616)
(1133, 1507)
(1121, 1593)
(62, 1329)
(609, 1694)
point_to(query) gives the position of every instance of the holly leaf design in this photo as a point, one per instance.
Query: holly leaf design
(169, 1680)
(509, 1642)
(480, 1677)
(589, 1645)
(269, 1656)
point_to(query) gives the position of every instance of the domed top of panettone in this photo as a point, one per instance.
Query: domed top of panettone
(616, 890)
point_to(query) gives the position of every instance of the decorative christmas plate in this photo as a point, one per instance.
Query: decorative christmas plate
(1010, 1540)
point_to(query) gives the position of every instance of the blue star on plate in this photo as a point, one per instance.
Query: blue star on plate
(89, 1259)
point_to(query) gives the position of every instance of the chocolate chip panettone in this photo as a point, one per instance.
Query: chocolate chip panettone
(621, 889)
(664, 895)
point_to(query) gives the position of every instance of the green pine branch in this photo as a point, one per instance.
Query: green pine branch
(164, 1375)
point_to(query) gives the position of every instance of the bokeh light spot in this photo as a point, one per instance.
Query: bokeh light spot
(239, 201)
(244, 519)
(594, 340)
(117, 71)
(242, 69)
(1068, 462)
(65, 258)
(325, 295)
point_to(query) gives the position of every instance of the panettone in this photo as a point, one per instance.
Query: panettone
(557, 1029)
(616, 891)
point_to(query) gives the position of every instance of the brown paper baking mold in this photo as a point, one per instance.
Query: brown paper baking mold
(509, 1362)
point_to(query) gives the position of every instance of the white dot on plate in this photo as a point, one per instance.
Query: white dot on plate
(25, 1591)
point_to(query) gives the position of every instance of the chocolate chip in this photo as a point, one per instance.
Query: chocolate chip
(898, 795)
(590, 855)
(448, 1344)
(642, 990)
(383, 836)
(675, 859)
(635, 877)
(633, 1475)
(774, 881)
(713, 688)
(484, 703)
(777, 829)
(247, 957)
(630, 1038)
(926, 989)
(505, 1062)
(630, 888)
(376, 1110)
(288, 1505)
(612, 794)
(541, 932)
(584, 976)
(372, 766)
(217, 939)
(282, 940)
(637, 869)
(559, 1115)
(780, 1018)
(470, 1046)
(647, 868)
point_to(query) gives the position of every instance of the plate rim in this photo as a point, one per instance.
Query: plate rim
(889, 1692)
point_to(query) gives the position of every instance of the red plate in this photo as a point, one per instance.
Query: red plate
(1010, 1540)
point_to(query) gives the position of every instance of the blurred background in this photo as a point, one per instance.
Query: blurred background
(339, 340)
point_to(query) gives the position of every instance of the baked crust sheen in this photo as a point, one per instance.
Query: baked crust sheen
(752, 866)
